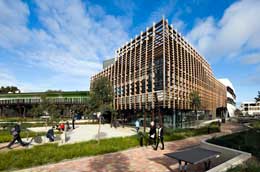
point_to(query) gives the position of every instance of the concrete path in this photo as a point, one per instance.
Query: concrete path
(89, 132)
(134, 160)
(80, 133)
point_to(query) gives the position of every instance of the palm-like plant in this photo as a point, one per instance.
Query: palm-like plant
(195, 101)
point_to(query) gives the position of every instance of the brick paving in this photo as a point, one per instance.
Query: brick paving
(143, 159)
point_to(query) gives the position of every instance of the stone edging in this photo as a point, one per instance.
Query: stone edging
(239, 159)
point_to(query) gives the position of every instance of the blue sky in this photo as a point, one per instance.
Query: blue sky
(60, 44)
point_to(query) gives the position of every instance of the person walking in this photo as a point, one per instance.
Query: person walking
(160, 137)
(152, 134)
(15, 131)
(137, 125)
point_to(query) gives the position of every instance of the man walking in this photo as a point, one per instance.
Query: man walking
(160, 137)
(152, 134)
(15, 131)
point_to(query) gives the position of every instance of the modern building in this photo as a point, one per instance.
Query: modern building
(250, 108)
(155, 73)
(11, 101)
(231, 97)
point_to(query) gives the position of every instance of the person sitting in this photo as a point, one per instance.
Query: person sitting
(50, 134)
(61, 126)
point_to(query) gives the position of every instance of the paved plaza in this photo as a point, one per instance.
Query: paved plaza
(89, 132)
(133, 160)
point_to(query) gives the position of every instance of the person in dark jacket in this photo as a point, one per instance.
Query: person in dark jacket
(152, 134)
(50, 134)
(160, 137)
(15, 131)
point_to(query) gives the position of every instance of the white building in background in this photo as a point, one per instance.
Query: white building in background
(231, 97)
(250, 108)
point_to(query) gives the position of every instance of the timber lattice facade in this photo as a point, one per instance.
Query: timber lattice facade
(160, 69)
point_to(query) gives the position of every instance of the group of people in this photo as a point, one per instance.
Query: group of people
(63, 126)
(155, 137)
(16, 130)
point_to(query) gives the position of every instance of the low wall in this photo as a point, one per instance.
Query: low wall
(230, 157)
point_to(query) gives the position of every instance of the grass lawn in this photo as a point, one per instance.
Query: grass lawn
(51, 153)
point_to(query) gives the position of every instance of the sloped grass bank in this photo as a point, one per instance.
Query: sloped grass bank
(51, 153)
(248, 141)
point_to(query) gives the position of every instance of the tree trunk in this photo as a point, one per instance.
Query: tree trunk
(99, 125)
(160, 117)
(1, 111)
(112, 119)
(123, 120)
(152, 115)
(144, 122)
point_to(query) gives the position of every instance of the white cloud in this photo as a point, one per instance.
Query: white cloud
(7, 78)
(178, 24)
(253, 58)
(72, 42)
(237, 31)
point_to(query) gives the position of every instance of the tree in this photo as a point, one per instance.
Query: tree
(101, 96)
(257, 99)
(12, 89)
(238, 112)
(35, 111)
(195, 101)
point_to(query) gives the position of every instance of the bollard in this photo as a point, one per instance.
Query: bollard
(141, 138)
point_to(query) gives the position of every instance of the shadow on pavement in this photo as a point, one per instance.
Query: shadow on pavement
(102, 135)
(112, 162)
(169, 163)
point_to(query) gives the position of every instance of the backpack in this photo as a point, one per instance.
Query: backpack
(13, 131)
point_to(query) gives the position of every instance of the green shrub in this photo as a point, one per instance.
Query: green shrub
(249, 166)
(256, 125)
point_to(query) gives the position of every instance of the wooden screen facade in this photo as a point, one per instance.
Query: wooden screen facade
(160, 69)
